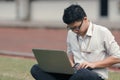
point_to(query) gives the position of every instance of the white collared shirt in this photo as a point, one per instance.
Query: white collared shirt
(98, 41)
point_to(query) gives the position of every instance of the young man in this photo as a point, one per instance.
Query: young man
(91, 49)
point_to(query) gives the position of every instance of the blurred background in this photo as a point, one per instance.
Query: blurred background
(28, 24)
(48, 13)
(25, 24)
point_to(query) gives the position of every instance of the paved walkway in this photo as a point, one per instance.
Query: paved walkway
(21, 41)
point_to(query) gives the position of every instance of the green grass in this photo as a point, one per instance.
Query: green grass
(114, 75)
(15, 68)
(12, 68)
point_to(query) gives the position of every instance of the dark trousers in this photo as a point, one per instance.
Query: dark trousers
(82, 74)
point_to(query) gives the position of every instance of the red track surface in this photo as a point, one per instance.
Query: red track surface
(23, 40)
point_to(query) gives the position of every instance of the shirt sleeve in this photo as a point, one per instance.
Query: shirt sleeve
(69, 50)
(113, 49)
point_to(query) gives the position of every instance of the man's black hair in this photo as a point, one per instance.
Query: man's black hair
(73, 13)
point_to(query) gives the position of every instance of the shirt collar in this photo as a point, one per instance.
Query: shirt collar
(90, 30)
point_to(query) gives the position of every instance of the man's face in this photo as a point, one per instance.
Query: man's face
(73, 28)
(76, 26)
(79, 27)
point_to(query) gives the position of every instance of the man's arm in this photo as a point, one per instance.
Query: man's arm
(71, 59)
(107, 62)
(112, 48)
(101, 64)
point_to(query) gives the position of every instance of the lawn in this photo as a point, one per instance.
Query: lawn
(13, 68)
(114, 75)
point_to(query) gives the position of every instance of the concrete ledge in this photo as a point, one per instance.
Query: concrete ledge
(108, 24)
(32, 24)
(52, 24)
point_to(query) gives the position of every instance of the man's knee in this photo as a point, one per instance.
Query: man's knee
(82, 74)
(34, 68)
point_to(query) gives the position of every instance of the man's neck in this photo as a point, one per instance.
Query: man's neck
(86, 29)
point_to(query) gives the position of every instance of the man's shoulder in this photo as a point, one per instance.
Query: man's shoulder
(101, 28)
(71, 34)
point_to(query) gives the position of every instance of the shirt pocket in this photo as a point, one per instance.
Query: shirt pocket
(97, 54)
(96, 49)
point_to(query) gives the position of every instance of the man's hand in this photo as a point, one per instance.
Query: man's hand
(86, 65)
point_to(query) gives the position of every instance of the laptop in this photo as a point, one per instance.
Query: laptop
(54, 61)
